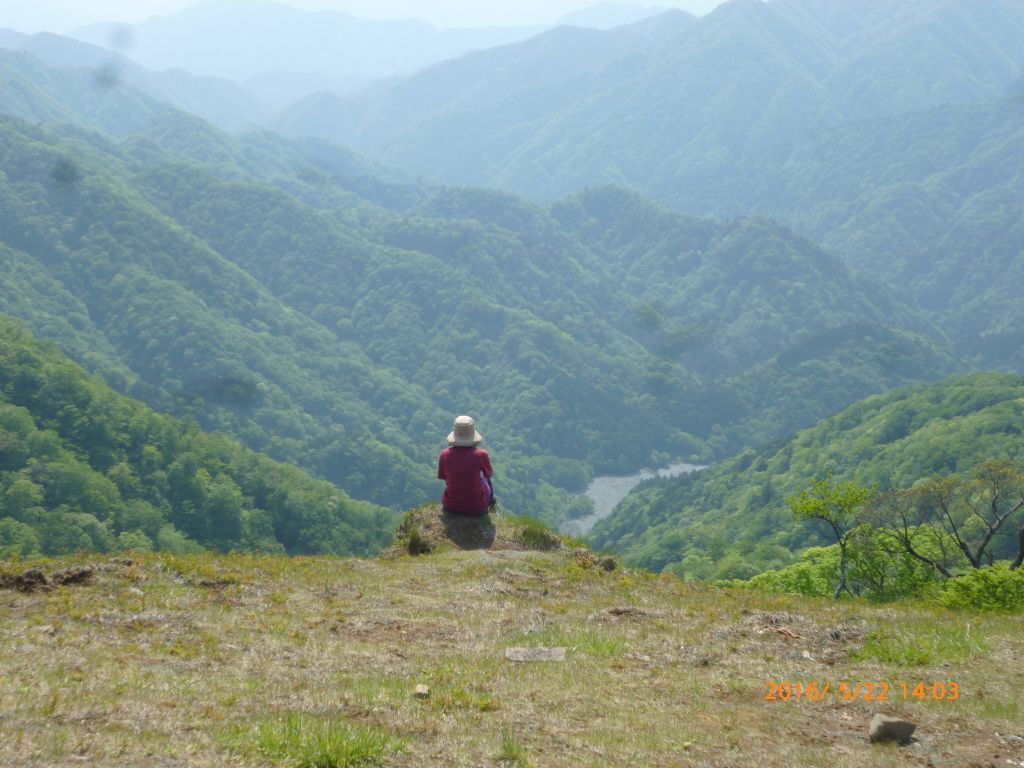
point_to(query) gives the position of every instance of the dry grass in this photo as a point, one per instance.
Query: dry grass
(226, 661)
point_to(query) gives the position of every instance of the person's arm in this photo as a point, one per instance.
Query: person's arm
(440, 466)
(487, 472)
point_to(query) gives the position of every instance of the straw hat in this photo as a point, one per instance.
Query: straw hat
(464, 432)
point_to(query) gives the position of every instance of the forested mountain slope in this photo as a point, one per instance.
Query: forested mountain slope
(731, 521)
(929, 202)
(33, 91)
(282, 292)
(91, 259)
(83, 468)
(749, 302)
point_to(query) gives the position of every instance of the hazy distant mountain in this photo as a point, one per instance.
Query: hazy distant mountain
(839, 117)
(496, 99)
(220, 101)
(11, 39)
(239, 39)
(610, 15)
(281, 89)
(558, 112)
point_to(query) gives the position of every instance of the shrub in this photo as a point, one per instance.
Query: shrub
(535, 535)
(169, 539)
(134, 541)
(813, 575)
(992, 588)
(417, 544)
(17, 539)
(873, 573)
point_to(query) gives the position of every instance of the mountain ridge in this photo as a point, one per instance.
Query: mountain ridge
(281, 37)
(219, 101)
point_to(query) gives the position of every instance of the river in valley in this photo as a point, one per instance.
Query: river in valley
(606, 492)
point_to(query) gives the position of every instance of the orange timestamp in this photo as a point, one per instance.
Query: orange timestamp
(844, 690)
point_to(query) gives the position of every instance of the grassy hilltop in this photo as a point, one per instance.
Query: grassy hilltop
(213, 660)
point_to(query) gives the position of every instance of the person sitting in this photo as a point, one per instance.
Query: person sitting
(466, 471)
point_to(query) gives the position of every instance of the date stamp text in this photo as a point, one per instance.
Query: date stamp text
(865, 690)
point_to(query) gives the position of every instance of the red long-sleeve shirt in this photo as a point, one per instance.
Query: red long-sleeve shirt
(464, 469)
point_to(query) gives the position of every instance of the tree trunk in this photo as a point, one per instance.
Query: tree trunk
(1020, 551)
(842, 570)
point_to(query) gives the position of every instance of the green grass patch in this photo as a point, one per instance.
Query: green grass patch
(450, 691)
(301, 740)
(921, 646)
(457, 697)
(511, 752)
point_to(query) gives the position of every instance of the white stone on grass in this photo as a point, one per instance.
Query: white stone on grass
(535, 654)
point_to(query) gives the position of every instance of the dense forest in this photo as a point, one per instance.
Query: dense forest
(731, 520)
(83, 468)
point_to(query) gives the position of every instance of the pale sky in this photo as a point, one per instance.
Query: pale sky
(64, 15)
